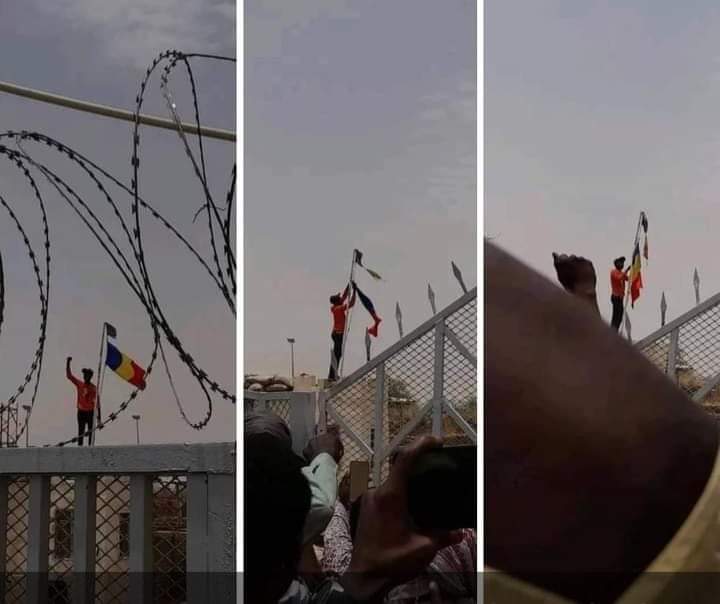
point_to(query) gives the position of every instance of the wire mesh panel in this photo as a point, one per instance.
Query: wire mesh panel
(112, 546)
(17, 540)
(169, 539)
(657, 352)
(697, 357)
(355, 405)
(699, 350)
(281, 408)
(61, 538)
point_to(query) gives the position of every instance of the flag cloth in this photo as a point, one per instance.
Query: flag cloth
(358, 261)
(636, 283)
(644, 223)
(367, 303)
(110, 331)
(125, 367)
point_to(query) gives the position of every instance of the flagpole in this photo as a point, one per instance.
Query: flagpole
(99, 381)
(635, 245)
(349, 316)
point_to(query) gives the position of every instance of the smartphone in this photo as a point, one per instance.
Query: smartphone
(442, 489)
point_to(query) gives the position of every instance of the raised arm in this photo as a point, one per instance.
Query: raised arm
(577, 275)
(344, 295)
(68, 372)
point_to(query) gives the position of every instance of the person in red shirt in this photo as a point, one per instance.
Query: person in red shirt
(86, 398)
(618, 278)
(339, 310)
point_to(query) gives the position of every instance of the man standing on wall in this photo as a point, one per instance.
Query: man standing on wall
(86, 397)
(618, 278)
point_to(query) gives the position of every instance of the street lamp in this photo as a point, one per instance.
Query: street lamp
(291, 341)
(137, 427)
(27, 425)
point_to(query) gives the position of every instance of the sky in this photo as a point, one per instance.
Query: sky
(98, 51)
(360, 132)
(595, 111)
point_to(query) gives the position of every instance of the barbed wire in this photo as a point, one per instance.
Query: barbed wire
(135, 274)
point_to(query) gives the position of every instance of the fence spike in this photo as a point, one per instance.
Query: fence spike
(367, 345)
(663, 310)
(458, 276)
(431, 297)
(696, 283)
(398, 318)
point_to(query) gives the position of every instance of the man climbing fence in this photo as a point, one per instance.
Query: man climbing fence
(339, 310)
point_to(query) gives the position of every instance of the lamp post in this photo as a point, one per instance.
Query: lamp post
(27, 425)
(137, 427)
(291, 341)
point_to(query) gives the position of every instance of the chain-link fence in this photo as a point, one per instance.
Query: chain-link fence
(113, 545)
(688, 351)
(17, 539)
(424, 384)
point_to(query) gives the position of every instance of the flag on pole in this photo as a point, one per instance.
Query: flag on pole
(125, 367)
(644, 223)
(636, 282)
(367, 303)
(110, 331)
(358, 261)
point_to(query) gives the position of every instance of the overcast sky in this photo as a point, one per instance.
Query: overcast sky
(360, 132)
(99, 51)
(595, 111)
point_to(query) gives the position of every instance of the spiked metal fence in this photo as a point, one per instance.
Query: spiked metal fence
(118, 524)
(688, 351)
(425, 383)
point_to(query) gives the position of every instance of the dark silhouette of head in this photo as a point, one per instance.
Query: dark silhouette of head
(335, 300)
(277, 502)
(87, 375)
(619, 262)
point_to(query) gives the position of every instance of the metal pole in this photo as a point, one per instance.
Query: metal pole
(635, 244)
(137, 427)
(112, 112)
(292, 357)
(349, 316)
(27, 425)
(99, 386)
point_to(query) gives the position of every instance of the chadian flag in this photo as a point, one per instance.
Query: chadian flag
(125, 367)
(358, 255)
(367, 303)
(636, 282)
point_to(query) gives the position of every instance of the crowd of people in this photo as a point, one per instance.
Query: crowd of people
(306, 542)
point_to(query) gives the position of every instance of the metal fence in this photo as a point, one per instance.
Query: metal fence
(118, 524)
(688, 351)
(298, 409)
(425, 383)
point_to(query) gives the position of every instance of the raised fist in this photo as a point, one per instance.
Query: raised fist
(329, 442)
(575, 273)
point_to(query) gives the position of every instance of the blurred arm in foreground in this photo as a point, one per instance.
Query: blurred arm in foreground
(593, 458)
